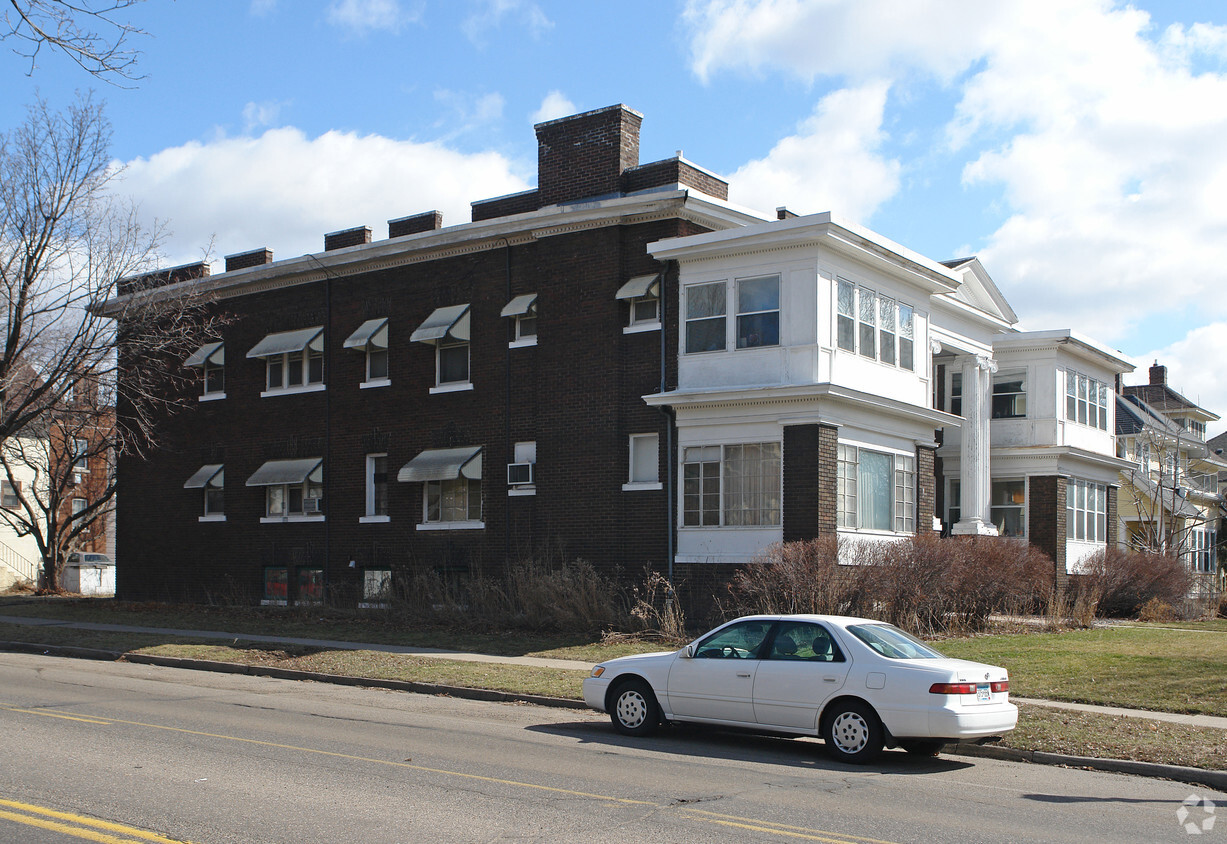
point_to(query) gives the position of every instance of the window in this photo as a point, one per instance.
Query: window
(10, 495)
(1086, 400)
(523, 310)
(211, 360)
(705, 311)
(644, 462)
(1086, 511)
(1194, 427)
(874, 326)
(956, 393)
(80, 455)
(954, 506)
(376, 587)
(875, 490)
(78, 506)
(1007, 507)
(521, 474)
(376, 488)
(210, 479)
(276, 583)
(733, 485)
(642, 294)
(293, 489)
(758, 312)
(1201, 554)
(1009, 395)
(741, 639)
(310, 586)
(293, 360)
(453, 500)
(803, 640)
(371, 338)
(447, 329)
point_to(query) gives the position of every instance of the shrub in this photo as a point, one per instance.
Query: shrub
(1125, 580)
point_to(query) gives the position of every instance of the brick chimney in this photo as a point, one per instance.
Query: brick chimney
(348, 237)
(1158, 375)
(584, 155)
(160, 278)
(254, 258)
(429, 221)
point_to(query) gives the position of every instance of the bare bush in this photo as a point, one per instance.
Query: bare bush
(1125, 580)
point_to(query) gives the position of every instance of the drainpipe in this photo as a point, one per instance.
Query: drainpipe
(670, 421)
(510, 447)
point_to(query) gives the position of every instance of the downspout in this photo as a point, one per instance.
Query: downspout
(510, 447)
(670, 421)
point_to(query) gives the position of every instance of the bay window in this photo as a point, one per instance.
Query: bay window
(875, 490)
(736, 485)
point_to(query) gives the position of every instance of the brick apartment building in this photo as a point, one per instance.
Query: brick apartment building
(447, 399)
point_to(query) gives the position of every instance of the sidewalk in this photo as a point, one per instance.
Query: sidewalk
(538, 662)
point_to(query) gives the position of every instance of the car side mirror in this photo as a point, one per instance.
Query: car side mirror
(688, 652)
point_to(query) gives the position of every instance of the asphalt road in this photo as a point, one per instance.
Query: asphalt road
(113, 752)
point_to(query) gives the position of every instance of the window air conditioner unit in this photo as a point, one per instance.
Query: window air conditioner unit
(519, 473)
(310, 505)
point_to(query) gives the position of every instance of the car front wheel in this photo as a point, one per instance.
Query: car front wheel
(853, 733)
(634, 711)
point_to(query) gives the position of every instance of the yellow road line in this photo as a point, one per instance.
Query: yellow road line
(695, 814)
(82, 829)
(57, 715)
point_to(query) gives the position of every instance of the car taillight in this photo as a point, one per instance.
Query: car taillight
(1001, 686)
(953, 688)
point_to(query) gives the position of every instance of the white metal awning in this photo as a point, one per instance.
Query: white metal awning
(212, 353)
(284, 342)
(276, 472)
(451, 321)
(639, 286)
(443, 464)
(520, 305)
(373, 332)
(210, 475)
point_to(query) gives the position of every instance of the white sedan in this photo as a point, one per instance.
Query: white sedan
(858, 684)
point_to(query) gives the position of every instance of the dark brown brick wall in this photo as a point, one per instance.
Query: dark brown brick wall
(1046, 522)
(349, 237)
(828, 453)
(429, 221)
(926, 489)
(254, 258)
(673, 171)
(505, 206)
(584, 155)
(802, 477)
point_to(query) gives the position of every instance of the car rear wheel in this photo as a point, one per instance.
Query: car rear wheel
(634, 710)
(922, 747)
(853, 732)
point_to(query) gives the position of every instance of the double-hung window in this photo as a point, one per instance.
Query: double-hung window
(371, 339)
(10, 495)
(80, 455)
(1086, 511)
(447, 329)
(758, 312)
(521, 474)
(1010, 395)
(211, 479)
(376, 509)
(875, 490)
(293, 489)
(1086, 400)
(1008, 507)
(874, 326)
(706, 306)
(736, 485)
(756, 306)
(451, 486)
(642, 295)
(211, 360)
(644, 462)
(293, 360)
(523, 310)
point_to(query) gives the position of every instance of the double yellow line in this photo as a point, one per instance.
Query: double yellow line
(77, 826)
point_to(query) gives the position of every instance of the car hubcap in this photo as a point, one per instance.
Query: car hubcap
(632, 709)
(850, 732)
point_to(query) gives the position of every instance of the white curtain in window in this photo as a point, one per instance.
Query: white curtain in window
(875, 482)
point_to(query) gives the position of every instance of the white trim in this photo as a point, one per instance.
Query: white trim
(374, 520)
(521, 344)
(216, 517)
(520, 491)
(212, 396)
(644, 486)
(452, 388)
(379, 382)
(641, 327)
(465, 525)
(276, 520)
(289, 391)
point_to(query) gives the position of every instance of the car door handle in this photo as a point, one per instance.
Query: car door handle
(830, 679)
(746, 675)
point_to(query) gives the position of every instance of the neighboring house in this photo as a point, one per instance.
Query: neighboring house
(20, 560)
(619, 366)
(1171, 499)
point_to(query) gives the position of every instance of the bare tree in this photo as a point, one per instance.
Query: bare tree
(75, 264)
(92, 33)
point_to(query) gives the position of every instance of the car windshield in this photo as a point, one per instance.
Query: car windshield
(892, 642)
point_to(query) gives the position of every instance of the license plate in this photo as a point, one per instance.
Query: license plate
(983, 692)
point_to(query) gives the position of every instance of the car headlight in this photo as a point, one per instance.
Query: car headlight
(597, 671)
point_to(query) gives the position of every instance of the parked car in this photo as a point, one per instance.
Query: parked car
(89, 558)
(859, 684)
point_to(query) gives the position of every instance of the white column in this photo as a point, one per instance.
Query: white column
(975, 477)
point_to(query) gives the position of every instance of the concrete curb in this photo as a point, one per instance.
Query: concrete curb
(1193, 776)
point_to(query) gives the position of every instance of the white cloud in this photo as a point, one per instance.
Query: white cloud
(260, 115)
(490, 14)
(284, 190)
(361, 17)
(554, 105)
(1194, 369)
(831, 164)
(470, 111)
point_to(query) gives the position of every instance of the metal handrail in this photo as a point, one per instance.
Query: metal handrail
(25, 568)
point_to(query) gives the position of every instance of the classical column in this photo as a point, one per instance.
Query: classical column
(975, 478)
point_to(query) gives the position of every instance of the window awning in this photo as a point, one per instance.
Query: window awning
(443, 464)
(210, 475)
(209, 353)
(450, 321)
(373, 332)
(520, 305)
(276, 472)
(284, 342)
(639, 286)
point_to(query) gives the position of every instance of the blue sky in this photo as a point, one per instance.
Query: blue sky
(1076, 146)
